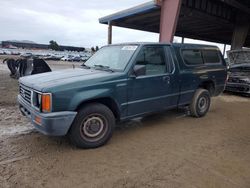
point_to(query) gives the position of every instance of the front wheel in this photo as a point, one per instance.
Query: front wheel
(200, 103)
(92, 127)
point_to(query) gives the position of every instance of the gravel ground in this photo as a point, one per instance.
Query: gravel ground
(169, 149)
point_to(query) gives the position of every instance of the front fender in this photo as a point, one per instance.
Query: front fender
(83, 96)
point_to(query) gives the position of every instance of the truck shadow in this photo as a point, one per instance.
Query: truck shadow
(153, 119)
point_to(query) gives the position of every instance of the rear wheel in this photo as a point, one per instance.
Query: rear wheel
(92, 127)
(200, 103)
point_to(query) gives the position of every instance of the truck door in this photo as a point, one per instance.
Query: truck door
(154, 90)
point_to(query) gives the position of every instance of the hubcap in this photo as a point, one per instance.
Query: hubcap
(93, 127)
(202, 104)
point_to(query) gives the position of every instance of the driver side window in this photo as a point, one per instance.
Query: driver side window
(153, 58)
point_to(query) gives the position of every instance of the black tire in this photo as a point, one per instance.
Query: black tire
(93, 126)
(200, 103)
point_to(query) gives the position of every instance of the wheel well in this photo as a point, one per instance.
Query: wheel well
(110, 103)
(208, 85)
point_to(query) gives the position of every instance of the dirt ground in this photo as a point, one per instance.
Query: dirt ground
(169, 149)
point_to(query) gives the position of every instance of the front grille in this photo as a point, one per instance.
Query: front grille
(25, 93)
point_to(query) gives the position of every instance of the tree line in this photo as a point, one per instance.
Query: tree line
(54, 46)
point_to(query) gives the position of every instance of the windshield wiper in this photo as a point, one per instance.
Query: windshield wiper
(105, 68)
(85, 66)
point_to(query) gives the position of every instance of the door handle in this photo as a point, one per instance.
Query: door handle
(166, 79)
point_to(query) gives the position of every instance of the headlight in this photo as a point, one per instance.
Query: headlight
(42, 101)
(36, 99)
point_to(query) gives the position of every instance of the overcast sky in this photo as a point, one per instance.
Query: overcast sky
(69, 22)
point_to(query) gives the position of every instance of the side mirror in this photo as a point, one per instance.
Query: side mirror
(139, 70)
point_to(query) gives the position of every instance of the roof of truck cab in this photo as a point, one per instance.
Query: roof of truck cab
(178, 45)
(194, 46)
(140, 43)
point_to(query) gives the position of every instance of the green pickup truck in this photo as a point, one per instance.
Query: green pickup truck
(121, 82)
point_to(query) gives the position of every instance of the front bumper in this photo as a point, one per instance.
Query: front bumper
(238, 87)
(53, 124)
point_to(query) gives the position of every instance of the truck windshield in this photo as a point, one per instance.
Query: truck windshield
(112, 57)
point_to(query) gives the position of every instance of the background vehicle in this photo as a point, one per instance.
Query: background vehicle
(76, 58)
(53, 57)
(84, 58)
(121, 82)
(239, 72)
(66, 58)
(26, 55)
(7, 52)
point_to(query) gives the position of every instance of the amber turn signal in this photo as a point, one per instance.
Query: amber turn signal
(46, 102)
(38, 120)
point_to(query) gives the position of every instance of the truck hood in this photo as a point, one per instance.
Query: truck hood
(43, 81)
(236, 57)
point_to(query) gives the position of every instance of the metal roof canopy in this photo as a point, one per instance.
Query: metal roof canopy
(209, 20)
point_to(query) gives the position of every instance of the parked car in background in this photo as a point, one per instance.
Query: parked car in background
(7, 52)
(66, 58)
(53, 57)
(239, 72)
(26, 55)
(15, 53)
(76, 58)
(84, 58)
(121, 82)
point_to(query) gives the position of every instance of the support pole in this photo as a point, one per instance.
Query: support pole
(170, 10)
(240, 31)
(109, 33)
(224, 50)
(182, 40)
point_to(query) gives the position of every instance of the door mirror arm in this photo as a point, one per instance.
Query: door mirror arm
(133, 76)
